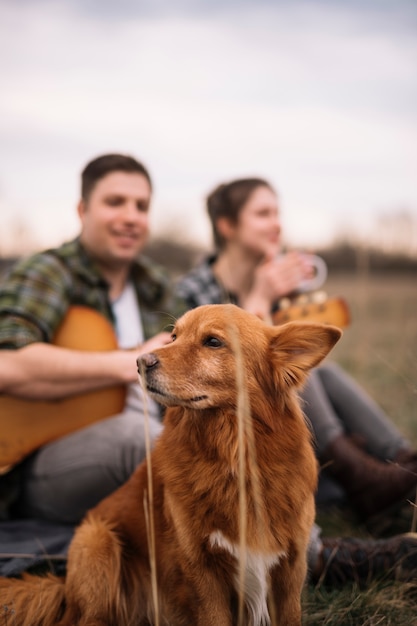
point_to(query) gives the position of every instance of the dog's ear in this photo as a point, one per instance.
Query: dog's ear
(296, 347)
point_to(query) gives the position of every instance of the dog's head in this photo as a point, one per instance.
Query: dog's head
(216, 346)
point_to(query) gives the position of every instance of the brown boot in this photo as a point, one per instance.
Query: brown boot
(372, 485)
(406, 457)
(349, 559)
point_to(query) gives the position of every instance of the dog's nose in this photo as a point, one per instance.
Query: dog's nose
(147, 361)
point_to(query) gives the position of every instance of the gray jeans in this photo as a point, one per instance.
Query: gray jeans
(65, 478)
(335, 404)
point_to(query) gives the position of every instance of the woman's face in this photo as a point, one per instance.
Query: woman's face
(258, 228)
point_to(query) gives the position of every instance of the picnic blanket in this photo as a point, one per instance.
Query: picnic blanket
(32, 545)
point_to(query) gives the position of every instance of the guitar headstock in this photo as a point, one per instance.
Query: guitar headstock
(313, 307)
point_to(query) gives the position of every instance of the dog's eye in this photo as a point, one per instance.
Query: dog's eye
(173, 337)
(212, 342)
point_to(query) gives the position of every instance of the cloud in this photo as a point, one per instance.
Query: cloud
(319, 96)
(401, 13)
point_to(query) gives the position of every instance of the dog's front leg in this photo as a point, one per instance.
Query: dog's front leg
(208, 615)
(287, 582)
(214, 606)
(93, 590)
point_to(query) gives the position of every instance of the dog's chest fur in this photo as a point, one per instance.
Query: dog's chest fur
(255, 586)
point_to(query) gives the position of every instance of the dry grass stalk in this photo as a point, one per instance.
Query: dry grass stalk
(414, 518)
(148, 506)
(247, 454)
(243, 414)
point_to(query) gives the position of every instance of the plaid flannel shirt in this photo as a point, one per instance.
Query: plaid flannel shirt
(200, 286)
(38, 291)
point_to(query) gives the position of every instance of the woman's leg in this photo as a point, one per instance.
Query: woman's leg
(360, 415)
(320, 412)
(337, 408)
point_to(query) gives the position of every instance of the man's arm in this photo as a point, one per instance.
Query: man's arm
(45, 372)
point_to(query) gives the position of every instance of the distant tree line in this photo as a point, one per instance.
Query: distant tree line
(344, 257)
(340, 257)
(350, 258)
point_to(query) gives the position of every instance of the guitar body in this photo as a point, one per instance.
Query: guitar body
(333, 311)
(26, 425)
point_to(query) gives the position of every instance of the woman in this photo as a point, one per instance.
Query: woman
(363, 452)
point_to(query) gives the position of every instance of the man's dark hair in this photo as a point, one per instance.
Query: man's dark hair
(106, 164)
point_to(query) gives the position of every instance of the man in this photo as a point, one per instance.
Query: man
(99, 269)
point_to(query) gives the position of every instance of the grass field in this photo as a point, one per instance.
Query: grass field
(380, 350)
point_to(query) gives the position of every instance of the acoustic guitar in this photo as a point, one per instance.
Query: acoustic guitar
(315, 307)
(26, 425)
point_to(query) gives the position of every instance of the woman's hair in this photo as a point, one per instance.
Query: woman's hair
(98, 168)
(228, 199)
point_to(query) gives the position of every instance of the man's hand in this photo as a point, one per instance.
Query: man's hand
(159, 340)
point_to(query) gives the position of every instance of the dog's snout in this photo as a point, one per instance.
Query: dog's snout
(147, 361)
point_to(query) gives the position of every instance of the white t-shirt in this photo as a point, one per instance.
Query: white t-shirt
(129, 331)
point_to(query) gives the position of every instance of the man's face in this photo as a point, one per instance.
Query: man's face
(115, 218)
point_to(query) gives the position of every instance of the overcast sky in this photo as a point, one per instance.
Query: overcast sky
(320, 97)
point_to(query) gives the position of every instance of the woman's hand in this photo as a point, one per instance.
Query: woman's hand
(274, 278)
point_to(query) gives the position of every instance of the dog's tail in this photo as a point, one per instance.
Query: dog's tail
(31, 600)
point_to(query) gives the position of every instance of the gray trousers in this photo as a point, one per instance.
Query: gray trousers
(335, 404)
(65, 478)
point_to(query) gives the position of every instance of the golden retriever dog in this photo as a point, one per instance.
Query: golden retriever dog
(213, 529)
